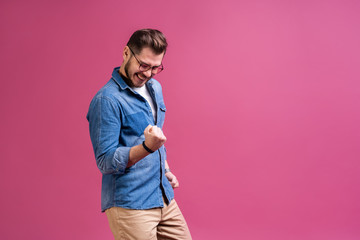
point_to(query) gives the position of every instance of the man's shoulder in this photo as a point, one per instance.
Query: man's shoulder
(110, 94)
(109, 90)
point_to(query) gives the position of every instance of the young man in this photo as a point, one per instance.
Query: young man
(125, 119)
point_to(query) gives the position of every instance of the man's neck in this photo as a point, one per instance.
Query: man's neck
(125, 78)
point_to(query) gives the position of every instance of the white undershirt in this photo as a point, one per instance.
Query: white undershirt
(144, 92)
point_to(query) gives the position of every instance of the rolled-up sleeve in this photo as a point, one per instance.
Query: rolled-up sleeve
(105, 125)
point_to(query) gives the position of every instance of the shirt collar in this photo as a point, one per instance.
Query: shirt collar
(118, 79)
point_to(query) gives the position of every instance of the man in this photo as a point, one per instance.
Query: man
(125, 120)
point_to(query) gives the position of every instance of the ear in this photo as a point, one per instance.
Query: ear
(126, 53)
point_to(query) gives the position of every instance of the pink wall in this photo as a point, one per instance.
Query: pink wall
(262, 123)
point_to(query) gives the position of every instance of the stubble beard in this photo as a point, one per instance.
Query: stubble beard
(128, 80)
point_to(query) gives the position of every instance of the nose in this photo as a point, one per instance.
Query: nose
(148, 73)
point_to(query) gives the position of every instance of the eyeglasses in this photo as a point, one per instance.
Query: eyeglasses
(143, 67)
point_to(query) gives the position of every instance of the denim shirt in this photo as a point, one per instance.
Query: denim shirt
(117, 119)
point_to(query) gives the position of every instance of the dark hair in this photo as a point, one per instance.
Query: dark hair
(151, 38)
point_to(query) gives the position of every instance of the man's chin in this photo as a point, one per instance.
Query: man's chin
(138, 81)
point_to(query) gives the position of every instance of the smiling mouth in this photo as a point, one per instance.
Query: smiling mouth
(142, 79)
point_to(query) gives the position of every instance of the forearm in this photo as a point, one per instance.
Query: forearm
(137, 153)
(112, 161)
(154, 139)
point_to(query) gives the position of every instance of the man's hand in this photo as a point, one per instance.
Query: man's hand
(172, 179)
(154, 137)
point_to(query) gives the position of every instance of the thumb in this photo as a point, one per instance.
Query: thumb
(148, 128)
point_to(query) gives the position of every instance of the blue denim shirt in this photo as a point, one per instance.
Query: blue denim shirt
(117, 119)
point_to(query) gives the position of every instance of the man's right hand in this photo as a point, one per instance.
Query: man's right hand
(154, 137)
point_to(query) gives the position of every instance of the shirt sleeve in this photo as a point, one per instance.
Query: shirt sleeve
(105, 126)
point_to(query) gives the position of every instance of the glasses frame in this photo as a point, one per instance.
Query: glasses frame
(143, 67)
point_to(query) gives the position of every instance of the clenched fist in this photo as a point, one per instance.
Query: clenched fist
(154, 137)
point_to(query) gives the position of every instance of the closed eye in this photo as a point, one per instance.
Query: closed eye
(144, 65)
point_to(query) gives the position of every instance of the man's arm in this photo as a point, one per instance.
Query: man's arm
(154, 139)
(105, 126)
(171, 177)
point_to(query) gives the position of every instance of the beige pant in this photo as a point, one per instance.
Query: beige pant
(157, 223)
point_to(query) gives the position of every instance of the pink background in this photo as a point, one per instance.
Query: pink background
(263, 114)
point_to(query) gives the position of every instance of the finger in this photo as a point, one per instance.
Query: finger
(158, 131)
(175, 181)
(162, 133)
(174, 185)
(159, 134)
(148, 128)
(169, 177)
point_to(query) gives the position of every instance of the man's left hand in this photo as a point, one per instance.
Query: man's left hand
(172, 179)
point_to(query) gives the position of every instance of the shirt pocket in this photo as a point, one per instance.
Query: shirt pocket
(161, 116)
(135, 124)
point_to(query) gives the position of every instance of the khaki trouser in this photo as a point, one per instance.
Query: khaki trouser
(158, 223)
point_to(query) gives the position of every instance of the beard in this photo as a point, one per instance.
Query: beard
(127, 78)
